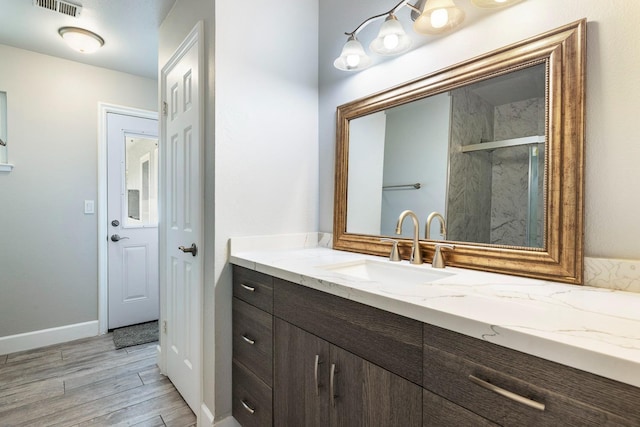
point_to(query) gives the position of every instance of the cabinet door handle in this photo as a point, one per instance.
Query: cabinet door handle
(249, 288)
(249, 340)
(332, 375)
(315, 374)
(247, 407)
(508, 394)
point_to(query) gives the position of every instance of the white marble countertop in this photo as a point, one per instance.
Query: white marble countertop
(593, 329)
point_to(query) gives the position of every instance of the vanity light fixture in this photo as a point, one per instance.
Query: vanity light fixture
(84, 41)
(353, 56)
(431, 17)
(391, 40)
(438, 16)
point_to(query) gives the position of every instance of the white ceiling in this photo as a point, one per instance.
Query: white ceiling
(129, 28)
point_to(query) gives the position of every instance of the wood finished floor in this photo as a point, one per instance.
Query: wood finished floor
(89, 383)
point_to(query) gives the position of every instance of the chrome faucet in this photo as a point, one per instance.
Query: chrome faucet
(443, 227)
(416, 256)
(438, 259)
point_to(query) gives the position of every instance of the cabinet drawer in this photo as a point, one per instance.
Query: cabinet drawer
(468, 385)
(252, 399)
(439, 412)
(253, 287)
(385, 339)
(253, 339)
(451, 357)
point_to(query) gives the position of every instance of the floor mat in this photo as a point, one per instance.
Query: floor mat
(136, 334)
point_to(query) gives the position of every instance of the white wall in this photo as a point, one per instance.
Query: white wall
(48, 246)
(366, 142)
(266, 138)
(612, 149)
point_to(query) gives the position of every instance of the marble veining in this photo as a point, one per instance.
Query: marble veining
(593, 329)
(614, 274)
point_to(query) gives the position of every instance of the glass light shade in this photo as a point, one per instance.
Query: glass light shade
(438, 16)
(84, 41)
(492, 4)
(391, 40)
(353, 57)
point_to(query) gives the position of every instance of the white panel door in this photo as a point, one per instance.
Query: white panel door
(132, 209)
(182, 220)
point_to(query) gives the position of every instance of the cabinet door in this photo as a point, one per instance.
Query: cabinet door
(366, 395)
(301, 377)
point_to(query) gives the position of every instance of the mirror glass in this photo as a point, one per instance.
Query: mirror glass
(493, 145)
(141, 173)
(474, 154)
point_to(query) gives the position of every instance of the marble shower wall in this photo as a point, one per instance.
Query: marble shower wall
(510, 174)
(469, 197)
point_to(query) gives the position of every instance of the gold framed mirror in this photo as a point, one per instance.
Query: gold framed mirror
(502, 132)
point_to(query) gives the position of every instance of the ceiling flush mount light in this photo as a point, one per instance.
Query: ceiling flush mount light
(84, 41)
(438, 16)
(353, 56)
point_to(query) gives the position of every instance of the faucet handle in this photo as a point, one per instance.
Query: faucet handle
(438, 259)
(395, 254)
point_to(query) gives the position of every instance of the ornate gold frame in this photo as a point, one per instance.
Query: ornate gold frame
(563, 52)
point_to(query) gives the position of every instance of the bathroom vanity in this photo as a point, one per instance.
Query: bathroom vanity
(314, 344)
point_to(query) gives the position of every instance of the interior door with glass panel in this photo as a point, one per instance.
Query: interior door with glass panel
(132, 196)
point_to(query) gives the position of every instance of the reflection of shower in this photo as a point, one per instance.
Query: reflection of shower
(508, 197)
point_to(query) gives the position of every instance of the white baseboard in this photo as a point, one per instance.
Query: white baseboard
(227, 422)
(45, 337)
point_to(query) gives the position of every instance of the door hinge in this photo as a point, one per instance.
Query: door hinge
(165, 108)
(164, 326)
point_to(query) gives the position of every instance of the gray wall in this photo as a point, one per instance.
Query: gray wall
(48, 249)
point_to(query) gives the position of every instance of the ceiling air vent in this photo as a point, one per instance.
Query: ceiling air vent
(59, 6)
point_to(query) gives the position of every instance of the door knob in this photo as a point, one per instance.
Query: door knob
(115, 238)
(193, 249)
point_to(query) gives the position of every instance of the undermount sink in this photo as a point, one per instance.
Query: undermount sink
(387, 272)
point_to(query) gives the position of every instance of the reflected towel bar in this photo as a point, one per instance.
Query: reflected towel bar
(415, 186)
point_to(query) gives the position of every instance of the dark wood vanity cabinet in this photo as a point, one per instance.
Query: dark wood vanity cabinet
(317, 383)
(333, 362)
(252, 370)
(303, 357)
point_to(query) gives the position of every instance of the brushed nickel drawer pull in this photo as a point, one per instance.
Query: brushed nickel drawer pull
(249, 340)
(247, 407)
(249, 288)
(508, 394)
(331, 384)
